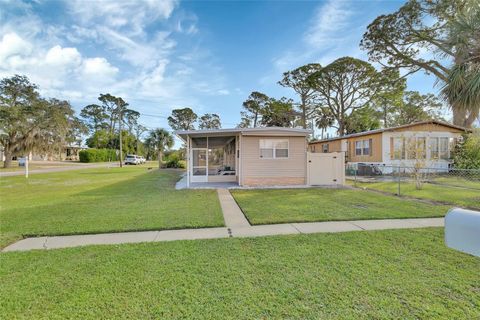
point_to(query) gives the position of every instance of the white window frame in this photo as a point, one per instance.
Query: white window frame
(325, 146)
(364, 143)
(437, 154)
(359, 143)
(399, 154)
(274, 153)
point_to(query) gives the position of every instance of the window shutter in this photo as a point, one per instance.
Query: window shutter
(370, 149)
(391, 148)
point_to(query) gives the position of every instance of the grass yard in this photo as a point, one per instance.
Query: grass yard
(266, 206)
(33, 165)
(101, 200)
(436, 192)
(394, 274)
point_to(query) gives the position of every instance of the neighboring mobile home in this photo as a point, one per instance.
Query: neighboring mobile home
(432, 140)
(247, 156)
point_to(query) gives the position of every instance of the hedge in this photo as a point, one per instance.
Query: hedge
(98, 155)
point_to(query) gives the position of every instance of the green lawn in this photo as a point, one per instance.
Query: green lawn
(33, 165)
(436, 192)
(394, 274)
(101, 200)
(266, 206)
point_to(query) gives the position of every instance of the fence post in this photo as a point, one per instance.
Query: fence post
(398, 193)
(355, 183)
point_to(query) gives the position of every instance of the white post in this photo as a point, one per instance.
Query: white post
(26, 167)
(187, 156)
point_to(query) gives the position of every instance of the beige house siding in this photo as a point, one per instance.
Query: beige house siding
(375, 148)
(333, 146)
(258, 171)
(429, 127)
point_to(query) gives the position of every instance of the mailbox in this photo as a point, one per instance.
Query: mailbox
(462, 230)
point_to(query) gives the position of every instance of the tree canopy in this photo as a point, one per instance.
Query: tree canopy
(399, 40)
(210, 121)
(278, 113)
(253, 108)
(345, 85)
(31, 123)
(298, 80)
(159, 140)
(182, 119)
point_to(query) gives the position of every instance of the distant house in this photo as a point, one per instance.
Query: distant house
(247, 156)
(432, 140)
(66, 153)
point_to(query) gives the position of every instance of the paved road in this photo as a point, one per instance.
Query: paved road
(64, 167)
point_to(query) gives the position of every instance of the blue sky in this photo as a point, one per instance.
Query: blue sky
(161, 55)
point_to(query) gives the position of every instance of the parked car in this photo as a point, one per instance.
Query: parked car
(142, 159)
(133, 159)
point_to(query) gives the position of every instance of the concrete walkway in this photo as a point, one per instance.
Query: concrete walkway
(215, 233)
(232, 214)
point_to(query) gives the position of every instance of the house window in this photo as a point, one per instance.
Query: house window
(358, 148)
(362, 147)
(366, 147)
(421, 148)
(433, 146)
(325, 148)
(273, 148)
(439, 148)
(398, 148)
(443, 148)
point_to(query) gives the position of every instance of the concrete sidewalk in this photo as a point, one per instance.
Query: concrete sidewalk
(215, 233)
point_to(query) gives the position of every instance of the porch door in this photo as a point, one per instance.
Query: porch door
(198, 171)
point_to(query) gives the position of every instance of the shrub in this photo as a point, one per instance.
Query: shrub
(174, 160)
(98, 155)
(467, 152)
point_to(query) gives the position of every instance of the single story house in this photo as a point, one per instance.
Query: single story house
(247, 156)
(431, 141)
(68, 152)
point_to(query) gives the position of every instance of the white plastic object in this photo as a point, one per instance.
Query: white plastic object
(462, 230)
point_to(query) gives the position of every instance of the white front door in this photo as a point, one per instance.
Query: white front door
(198, 169)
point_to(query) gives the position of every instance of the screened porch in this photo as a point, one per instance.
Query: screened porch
(213, 159)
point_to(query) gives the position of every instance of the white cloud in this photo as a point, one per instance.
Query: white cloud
(11, 45)
(98, 68)
(109, 46)
(130, 15)
(331, 34)
(330, 19)
(63, 57)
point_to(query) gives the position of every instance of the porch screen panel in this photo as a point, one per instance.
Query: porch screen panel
(199, 162)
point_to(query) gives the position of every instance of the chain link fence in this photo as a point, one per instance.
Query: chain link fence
(394, 179)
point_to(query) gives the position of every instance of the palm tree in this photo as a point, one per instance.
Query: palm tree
(462, 88)
(159, 139)
(324, 119)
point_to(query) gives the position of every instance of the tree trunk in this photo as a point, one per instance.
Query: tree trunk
(121, 151)
(341, 128)
(160, 156)
(8, 158)
(459, 116)
(471, 118)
